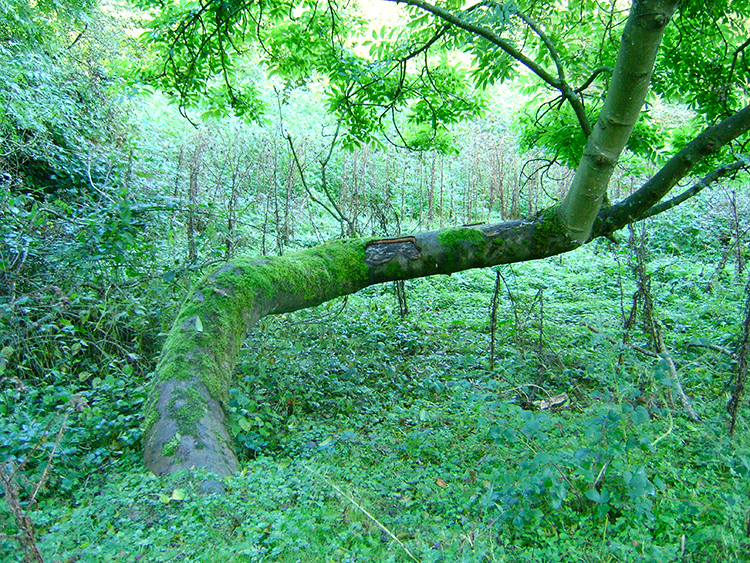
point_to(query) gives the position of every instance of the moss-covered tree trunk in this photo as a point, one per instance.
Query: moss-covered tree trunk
(185, 414)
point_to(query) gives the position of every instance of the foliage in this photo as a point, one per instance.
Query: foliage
(205, 49)
(714, 79)
(59, 112)
(565, 58)
(350, 419)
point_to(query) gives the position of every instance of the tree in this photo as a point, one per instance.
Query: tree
(409, 91)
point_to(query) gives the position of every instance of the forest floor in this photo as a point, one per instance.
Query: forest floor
(368, 436)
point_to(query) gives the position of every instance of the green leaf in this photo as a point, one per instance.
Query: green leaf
(640, 415)
(593, 494)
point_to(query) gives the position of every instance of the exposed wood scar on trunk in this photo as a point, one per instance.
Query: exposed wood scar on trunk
(383, 250)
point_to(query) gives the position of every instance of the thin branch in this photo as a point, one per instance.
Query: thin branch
(590, 79)
(674, 376)
(559, 83)
(568, 93)
(703, 183)
(739, 50)
(365, 512)
(79, 37)
(715, 348)
(616, 343)
(304, 181)
(485, 33)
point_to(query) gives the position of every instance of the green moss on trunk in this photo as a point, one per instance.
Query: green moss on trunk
(462, 242)
(203, 344)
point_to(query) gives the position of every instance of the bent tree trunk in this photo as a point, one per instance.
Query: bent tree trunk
(185, 415)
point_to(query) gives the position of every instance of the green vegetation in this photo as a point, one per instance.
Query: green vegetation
(526, 412)
(349, 420)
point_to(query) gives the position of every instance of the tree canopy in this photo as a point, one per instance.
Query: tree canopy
(432, 63)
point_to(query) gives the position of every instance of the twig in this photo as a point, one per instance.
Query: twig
(669, 430)
(25, 537)
(365, 512)
(534, 385)
(664, 354)
(493, 319)
(715, 348)
(743, 351)
(8, 476)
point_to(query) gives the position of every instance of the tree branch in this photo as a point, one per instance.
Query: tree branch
(593, 76)
(567, 92)
(708, 142)
(696, 188)
(485, 33)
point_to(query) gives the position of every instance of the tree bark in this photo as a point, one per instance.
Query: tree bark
(627, 92)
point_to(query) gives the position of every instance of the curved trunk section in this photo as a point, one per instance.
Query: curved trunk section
(186, 410)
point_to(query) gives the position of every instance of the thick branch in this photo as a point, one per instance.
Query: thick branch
(708, 142)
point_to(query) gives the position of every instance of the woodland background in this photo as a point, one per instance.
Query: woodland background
(406, 422)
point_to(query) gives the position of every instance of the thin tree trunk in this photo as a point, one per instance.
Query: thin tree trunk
(743, 353)
(627, 91)
(192, 209)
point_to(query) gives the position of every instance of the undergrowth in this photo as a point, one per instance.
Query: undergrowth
(368, 437)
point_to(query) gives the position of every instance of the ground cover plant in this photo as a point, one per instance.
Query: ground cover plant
(365, 436)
